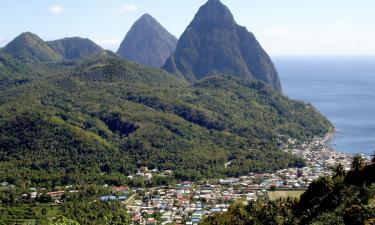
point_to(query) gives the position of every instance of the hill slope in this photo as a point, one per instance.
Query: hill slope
(28, 48)
(9, 65)
(148, 43)
(74, 48)
(213, 44)
(99, 117)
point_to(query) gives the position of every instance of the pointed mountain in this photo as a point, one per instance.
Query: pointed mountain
(213, 44)
(28, 47)
(74, 48)
(148, 43)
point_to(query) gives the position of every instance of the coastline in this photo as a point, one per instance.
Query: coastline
(319, 156)
(328, 137)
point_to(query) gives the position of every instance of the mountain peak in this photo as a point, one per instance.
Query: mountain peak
(214, 14)
(148, 42)
(146, 16)
(27, 37)
(28, 34)
(147, 20)
(29, 47)
(214, 44)
(74, 47)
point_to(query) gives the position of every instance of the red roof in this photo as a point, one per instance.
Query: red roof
(120, 188)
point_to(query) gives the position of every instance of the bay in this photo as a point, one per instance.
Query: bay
(342, 88)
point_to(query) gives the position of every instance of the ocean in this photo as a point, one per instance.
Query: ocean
(342, 88)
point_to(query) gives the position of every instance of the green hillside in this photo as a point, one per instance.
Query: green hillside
(103, 116)
(29, 48)
(10, 66)
(74, 48)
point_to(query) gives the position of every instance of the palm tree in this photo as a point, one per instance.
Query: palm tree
(339, 171)
(358, 162)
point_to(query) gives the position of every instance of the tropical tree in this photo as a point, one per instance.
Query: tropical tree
(358, 162)
(339, 171)
(60, 220)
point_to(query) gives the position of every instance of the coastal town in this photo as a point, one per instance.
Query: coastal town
(189, 202)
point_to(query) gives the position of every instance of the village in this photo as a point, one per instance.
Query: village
(189, 202)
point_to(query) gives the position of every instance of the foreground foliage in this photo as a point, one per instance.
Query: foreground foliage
(338, 200)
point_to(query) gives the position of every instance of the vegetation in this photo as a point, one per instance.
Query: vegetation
(277, 194)
(94, 121)
(344, 199)
(74, 48)
(29, 48)
(82, 208)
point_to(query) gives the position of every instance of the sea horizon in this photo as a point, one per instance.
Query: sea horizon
(340, 87)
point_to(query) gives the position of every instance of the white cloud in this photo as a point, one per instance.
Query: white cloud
(56, 9)
(123, 10)
(108, 43)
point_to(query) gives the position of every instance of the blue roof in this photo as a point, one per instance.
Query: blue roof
(215, 210)
(108, 198)
(112, 198)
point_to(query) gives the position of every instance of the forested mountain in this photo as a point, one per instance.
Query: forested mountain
(74, 48)
(81, 120)
(94, 120)
(213, 44)
(148, 43)
(29, 48)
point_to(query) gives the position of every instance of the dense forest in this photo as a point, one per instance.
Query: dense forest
(97, 119)
(346, 198)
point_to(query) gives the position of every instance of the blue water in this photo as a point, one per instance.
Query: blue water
(341, 88)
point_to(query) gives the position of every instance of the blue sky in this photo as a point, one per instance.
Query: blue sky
(283, 27)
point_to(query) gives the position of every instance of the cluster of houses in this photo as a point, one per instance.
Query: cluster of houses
(147, 174)
(54, 195)
(319, 157)
(187, 202)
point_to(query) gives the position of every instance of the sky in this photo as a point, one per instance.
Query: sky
(283, 27)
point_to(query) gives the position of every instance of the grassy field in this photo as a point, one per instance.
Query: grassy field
(130, 200)
(274, 195)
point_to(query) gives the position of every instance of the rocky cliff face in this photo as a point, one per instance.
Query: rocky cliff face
(214, 44)
(148, 43)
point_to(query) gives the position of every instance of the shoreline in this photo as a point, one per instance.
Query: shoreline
(317, 153)
(329, 136)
